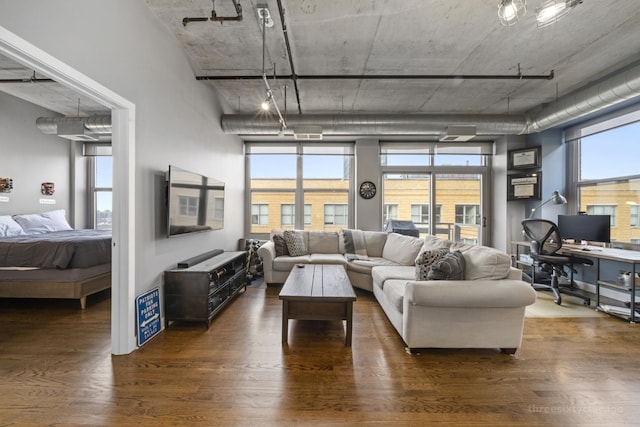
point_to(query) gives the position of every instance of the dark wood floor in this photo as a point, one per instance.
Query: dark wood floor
(55, 368)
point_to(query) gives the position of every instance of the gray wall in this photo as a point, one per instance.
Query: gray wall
(30, 158)
(119, 44)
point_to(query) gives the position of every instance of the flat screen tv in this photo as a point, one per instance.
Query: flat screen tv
(591, 228)
(195, 202)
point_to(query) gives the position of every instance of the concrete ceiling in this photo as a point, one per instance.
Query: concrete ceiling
(377, 37)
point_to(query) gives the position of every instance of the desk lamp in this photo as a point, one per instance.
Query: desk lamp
(556, 198)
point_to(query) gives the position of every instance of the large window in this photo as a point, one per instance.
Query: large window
(605, 172)
(299, 182)
(101, 182)
(438, 186)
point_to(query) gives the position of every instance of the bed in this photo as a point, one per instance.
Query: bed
(56, 262)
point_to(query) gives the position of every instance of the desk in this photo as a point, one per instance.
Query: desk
(599, 254)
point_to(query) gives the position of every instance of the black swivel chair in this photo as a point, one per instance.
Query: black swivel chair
(545, 243)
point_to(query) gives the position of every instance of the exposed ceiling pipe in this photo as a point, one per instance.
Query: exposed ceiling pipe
(214, 16)
(376, 124)
(613, 91)
(93, 128)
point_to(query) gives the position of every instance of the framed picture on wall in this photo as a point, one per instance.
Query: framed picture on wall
(525, 158)
(527, 186)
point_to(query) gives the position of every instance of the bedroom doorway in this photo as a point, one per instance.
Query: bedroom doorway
(123, 142)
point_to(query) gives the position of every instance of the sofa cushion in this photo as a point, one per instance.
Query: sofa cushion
(327, 259)
(323, 242)
(295, 243)
(375, 242)
(394, 291)
(381, 274)
(286, 263)
(354, 242)
(402, 249)
(483, 262)
(434, 242)
(365, 265)
(424, 260)
(449, 267)
(280, 245)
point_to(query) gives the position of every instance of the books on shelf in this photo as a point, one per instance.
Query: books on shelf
(615, 309)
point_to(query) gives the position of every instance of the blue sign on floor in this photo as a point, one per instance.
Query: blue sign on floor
(149, 319)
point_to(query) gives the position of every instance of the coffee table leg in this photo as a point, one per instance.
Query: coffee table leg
(349, 323)
(285, 321)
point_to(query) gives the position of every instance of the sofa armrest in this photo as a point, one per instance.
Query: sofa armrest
(469, 293)
(267, 252)
(514, 273)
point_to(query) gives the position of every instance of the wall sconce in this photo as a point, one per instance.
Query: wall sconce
(510, 11)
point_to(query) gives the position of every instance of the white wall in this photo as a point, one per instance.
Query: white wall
(30, 158)
(120, 44)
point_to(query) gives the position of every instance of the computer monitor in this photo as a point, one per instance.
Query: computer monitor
(592, 228)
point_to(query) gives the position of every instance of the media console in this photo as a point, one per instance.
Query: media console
(197, 292)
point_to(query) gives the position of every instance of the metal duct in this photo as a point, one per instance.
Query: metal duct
(613, 91)
(621, 87)
(93, 124)
(376, 124)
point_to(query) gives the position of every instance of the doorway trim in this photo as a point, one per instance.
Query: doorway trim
(123, 340)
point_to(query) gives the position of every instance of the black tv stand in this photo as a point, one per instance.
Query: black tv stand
(198, 292)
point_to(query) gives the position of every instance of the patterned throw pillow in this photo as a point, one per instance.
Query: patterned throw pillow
(280, 245)
(425, 259)
(449, 267)
(295, 243)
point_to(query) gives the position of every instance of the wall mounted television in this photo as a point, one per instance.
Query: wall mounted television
(195, 202)
(591, 228)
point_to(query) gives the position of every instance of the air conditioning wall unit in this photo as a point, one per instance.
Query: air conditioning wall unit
(459, 134)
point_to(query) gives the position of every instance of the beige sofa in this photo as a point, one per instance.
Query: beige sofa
(483, 310)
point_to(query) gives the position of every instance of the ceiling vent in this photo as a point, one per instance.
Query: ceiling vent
(75, 131)
(459, 134)
(313, 133)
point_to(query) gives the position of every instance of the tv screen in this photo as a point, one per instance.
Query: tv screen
(592, 228)
(194, 202)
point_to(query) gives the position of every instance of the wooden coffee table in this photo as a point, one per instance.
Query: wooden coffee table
(317, 292)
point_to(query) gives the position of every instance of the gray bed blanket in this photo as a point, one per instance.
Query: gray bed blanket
(58, 249)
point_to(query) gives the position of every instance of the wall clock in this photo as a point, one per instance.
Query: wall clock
(367, 190)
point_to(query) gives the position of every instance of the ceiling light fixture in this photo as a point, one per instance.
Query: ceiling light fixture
(552, 11)
(510, 11)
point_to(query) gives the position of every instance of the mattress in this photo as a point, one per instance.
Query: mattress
(57, 250)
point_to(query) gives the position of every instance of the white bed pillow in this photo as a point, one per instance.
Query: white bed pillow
(43, 222)
(10, 228)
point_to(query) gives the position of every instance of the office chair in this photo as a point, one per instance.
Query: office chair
(545, 243)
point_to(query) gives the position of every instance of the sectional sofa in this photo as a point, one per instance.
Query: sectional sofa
(436, 293)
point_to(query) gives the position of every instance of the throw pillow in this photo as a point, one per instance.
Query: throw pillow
(10, 228)
(354, 242)
(43, 222)
(449, 267)
(425, 259)
(280, 245)
(295, 243)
